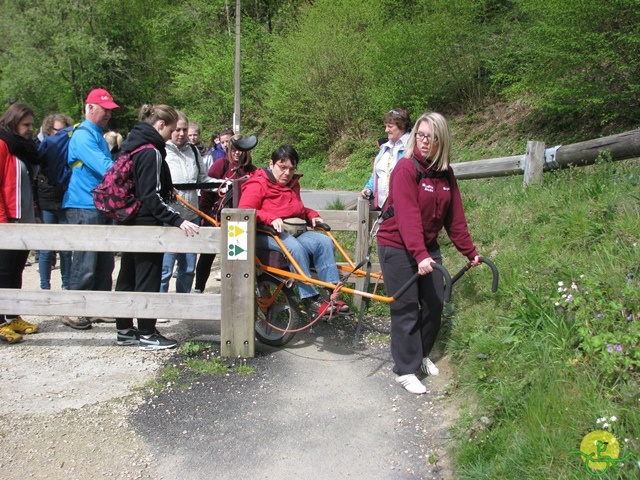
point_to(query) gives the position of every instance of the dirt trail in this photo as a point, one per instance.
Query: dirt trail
(75, 409)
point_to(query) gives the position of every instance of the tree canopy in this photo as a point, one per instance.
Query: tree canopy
(316, 73)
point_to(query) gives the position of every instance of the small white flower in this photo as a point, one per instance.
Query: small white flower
(582, 276)
(573, 286)
(614, 419)
(606, 425)
(626, 440)
(600, 420)
(557, 304)
(564, 295)
(560, 284)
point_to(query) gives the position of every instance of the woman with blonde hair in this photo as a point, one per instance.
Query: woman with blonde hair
(114, 140)
(423, 199)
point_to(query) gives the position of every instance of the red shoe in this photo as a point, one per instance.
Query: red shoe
(342, 307)
(319, 308)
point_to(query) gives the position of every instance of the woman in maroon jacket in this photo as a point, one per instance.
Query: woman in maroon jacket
(274, 192)
(425, 197)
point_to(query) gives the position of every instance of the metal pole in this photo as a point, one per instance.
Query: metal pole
(236, 80)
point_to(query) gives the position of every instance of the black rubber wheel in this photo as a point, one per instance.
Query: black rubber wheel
(277, 305)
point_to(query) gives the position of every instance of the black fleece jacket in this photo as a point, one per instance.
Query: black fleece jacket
(152, 176)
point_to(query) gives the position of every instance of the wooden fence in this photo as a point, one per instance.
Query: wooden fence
(235, 241)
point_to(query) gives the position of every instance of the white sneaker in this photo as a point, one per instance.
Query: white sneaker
(162, 320)
(411, 384)
(428, 367)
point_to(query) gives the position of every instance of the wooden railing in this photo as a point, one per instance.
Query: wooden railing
(235, 305)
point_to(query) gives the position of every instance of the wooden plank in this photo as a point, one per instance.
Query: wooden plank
(621, 147)
(237, 337)
(495, 167)
(102, 238)
(341, 220)
(112, 304)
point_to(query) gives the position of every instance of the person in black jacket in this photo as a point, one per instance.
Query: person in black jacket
(142, 272)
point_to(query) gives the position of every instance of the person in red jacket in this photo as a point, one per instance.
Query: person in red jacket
(423, 198)
(274, 192)
(18, 161)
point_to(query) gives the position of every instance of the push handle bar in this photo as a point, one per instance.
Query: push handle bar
(492, 266)
(414, 278)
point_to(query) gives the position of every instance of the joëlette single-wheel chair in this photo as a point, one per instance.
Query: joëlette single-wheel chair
(278, 313)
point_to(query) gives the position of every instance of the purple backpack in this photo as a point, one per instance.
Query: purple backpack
(115, 196)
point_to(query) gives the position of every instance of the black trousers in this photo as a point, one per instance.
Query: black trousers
(139, 272)
(203, 270)
(11, 268)
(417, 315)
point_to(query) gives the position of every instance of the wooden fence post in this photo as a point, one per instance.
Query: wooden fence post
(237, 337)
(534, 162)
(362, 237)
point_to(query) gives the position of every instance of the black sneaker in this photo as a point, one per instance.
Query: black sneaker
(155, 341)
(130, 337)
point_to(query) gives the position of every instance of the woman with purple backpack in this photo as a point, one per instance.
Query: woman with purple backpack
(141, 271)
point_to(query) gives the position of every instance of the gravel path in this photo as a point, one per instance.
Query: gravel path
(79, 407)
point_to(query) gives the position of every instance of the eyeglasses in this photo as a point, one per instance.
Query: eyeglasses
(395, 112)
(290, 169)
(421, 137)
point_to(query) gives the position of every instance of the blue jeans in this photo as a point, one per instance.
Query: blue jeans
(309, 245)
(186, 271)
(90, 270)
(46, 257)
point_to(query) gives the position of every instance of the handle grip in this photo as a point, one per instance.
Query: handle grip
(492, 266)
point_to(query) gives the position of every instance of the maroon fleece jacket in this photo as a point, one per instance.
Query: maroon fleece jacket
(422, 210)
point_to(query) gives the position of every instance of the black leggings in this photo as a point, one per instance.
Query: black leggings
(11, 267)
(139, 272)
(203, 270)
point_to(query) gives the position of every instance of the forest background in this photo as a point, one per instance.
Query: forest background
(555, 354)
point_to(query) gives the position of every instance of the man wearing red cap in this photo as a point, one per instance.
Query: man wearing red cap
(89, 158)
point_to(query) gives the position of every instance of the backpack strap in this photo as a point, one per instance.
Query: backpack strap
(195, 155)
(142, 147)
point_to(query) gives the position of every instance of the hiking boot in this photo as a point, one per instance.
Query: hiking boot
(155, 341)
(102, 320)
(411, 384)
(19, 325)
(9, 336)
(128, 337)
(79, 323)
(429, 368)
